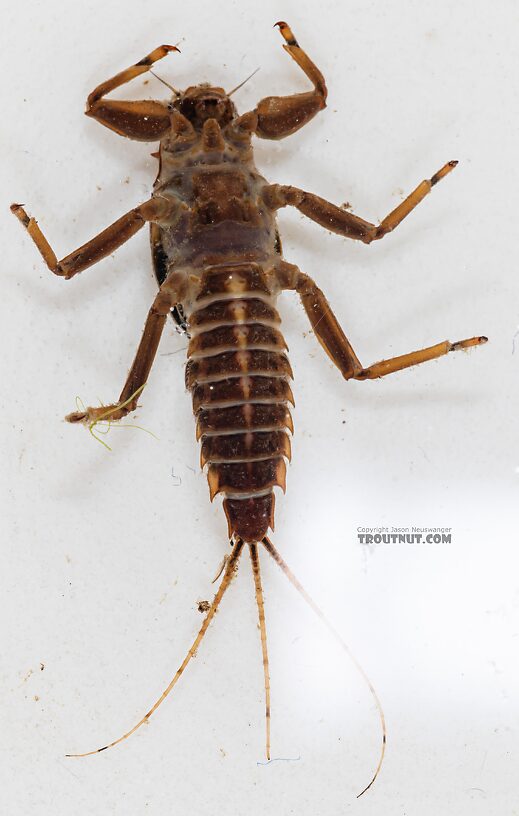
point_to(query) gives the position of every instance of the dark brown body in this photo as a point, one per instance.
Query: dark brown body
(224, 251)
(217, 258)
(238, 374)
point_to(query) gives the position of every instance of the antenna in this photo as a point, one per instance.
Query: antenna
(243, 83)
(171, 88)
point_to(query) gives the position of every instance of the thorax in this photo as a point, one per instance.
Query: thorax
(225, 219)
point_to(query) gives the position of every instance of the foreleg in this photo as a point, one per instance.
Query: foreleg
(144, 120)
(278, 116)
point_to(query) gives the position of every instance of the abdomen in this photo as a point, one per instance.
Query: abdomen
(238, 373)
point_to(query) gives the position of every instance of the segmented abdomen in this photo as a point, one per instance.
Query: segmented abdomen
(239, 374)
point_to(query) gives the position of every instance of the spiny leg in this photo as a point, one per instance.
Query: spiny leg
(140, 67)
(226, 580)
(278, 116)
(144, 120)
(384, 367)
(310, 601)
(253, 548)
(103, 244)
(323, 321)
(332, 338)
(139, 372)
(340, 220)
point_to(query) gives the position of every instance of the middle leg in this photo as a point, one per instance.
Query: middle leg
(156, 209)
(332, 338)
(342, 222)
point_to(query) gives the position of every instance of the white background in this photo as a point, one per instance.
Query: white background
(105, 555)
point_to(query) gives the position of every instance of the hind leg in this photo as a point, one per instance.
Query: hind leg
(141, 366)
(332, 338)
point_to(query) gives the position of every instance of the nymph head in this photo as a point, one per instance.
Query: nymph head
(202, 102)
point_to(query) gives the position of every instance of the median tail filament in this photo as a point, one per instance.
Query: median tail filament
(310, 601)
(263, 632)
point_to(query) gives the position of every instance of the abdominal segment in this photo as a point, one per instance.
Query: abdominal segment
(238, 374)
